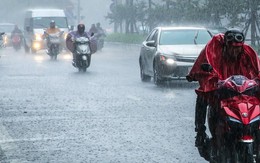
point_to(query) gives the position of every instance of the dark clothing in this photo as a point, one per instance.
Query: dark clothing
(100, 32)
(16, 32)
(93, 29)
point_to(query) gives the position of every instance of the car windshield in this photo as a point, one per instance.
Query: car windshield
(184, 37)
(44, 22)
(6, 28)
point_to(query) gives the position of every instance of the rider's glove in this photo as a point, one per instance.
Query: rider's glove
(189, 78)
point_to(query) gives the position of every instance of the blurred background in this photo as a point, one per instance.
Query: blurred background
(140, 16)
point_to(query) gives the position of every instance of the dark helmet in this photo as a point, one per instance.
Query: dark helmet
(52, 24)
(81, 28)
(234, 37)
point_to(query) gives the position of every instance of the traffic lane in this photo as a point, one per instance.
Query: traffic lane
(105, 117)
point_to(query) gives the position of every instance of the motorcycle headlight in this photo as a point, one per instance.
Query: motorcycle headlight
(234, 120)
(38, 37)
(255, 119)
(84, 57)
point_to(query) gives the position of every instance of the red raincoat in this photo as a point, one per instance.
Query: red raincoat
(248, 65)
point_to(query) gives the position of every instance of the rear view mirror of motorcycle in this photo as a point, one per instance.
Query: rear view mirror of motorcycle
(92, 34)
(206, 67)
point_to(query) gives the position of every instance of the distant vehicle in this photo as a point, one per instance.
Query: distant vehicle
(37, 21)
(7, 28)
(216, 30)
(54, 41)
(168, 53)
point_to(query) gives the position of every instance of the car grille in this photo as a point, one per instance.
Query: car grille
(186, 59)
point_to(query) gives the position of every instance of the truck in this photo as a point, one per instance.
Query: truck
(36, 21)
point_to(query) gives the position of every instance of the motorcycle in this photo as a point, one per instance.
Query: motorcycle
(82, 53)
(16, 41)
(100, 40)
(53, 42)
(235, 121)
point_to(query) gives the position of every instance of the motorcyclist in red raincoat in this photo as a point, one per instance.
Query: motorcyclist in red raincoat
(228, 55)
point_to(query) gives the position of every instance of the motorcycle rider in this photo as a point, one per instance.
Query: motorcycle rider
(100, 30)
(93, 29)
(79, 33)
(16, 31)
(51, 30)
(228, 55)
(100, 36)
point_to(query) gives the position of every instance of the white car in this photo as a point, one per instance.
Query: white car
(169, 52)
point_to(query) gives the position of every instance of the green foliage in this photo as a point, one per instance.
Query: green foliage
(125, 38)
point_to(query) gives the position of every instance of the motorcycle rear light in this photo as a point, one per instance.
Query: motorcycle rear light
(247, 139)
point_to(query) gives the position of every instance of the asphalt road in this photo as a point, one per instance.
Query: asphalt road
(51, 113)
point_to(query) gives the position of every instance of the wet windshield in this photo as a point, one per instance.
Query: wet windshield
(44, 22)
(184, 37)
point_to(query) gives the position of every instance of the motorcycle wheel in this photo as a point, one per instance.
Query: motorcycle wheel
(82, 69)
(246, 154)
(55, 57)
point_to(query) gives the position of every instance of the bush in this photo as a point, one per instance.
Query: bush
(125, 38)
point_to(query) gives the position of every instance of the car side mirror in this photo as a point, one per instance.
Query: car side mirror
(206, 67)
(71, 27)
(150, 43)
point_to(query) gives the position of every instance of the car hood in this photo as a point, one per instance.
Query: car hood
(181, 50)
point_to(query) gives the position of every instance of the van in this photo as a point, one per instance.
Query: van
(36, 22)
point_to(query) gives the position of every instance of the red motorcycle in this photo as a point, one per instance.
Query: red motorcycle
(234, 121)
(16, 41)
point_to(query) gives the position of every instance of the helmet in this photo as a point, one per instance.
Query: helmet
(52, 24)
(234, 37)
(81, 28)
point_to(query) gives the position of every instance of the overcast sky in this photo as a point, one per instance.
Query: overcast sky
(95, 11)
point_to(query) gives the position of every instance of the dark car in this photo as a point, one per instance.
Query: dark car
(168, 53)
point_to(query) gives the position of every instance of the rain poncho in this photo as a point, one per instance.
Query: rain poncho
(74, 34)
(247, 65)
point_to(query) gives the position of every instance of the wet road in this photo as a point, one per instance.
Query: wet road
(51, 113)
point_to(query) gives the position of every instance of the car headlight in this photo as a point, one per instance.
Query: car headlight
(38, 37)
(65, 35)
(167, 60)
(36, 45)
(5, 37)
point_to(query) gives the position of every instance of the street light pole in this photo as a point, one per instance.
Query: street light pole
(79, 11)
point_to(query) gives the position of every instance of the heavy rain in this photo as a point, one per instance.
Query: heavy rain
(121, 92)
